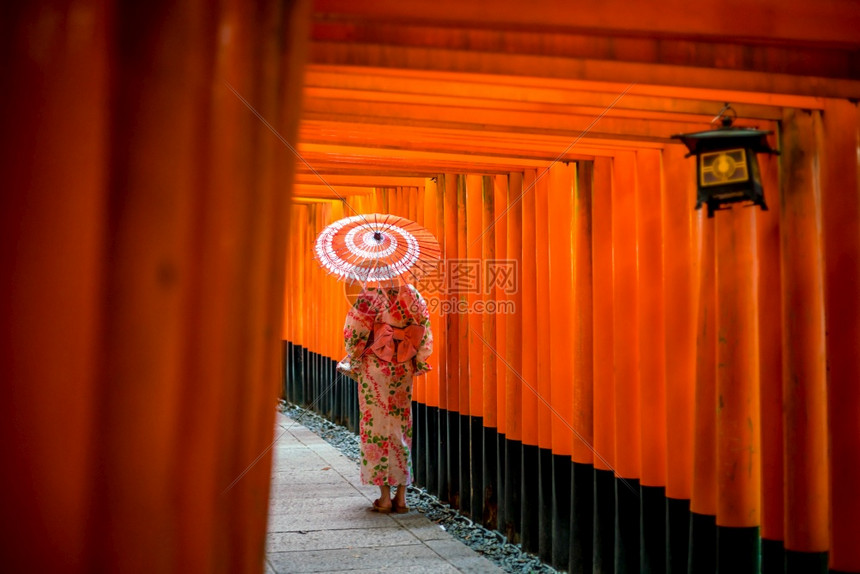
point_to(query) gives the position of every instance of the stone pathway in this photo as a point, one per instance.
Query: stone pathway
(320, 518)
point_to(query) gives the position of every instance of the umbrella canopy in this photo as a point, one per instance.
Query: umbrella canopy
(376, 247)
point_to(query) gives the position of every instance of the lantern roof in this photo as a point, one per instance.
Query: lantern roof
(727, 137)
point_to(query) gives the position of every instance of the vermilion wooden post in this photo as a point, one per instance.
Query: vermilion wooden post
(679, 307)
(151, 215)
(513, 355)
(626, 356)
(738, 416)
(436, 377)
(582, 459)
(561, 190)
(489, 517)
(544, 306)
(419, 386)
(604, 391)
(528, 286)
(703, 503)
(474, 228)
(452, 343)
(840, 207)
(464, 278)
(300, 226)
(770, 367)
(52, 232)
(500, 193)
(652, 366)
(807, 516)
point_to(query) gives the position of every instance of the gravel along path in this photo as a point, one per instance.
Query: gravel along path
(493, 545)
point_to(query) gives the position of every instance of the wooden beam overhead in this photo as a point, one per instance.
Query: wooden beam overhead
(595, 123)
(831, 23)
(339, 181)
(421, 58)
(564, 90)
(471, 89)
(723, 54)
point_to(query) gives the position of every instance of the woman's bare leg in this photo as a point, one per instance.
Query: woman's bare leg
(384, 497)
(400, 497)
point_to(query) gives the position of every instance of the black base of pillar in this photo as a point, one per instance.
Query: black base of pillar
(652, 526)
(476, 444)
(805, 562)
(561, 467)
(530, 510)
(703, 543)
(464, 494)
(678, 535)
(513, 489)
(433, 450)
(738, 550)
(627, 525)
(604, 521)
(545, 504)
(500, 482)
(582, 518)
(299, 374)
(356, 409)
(444, 456)
(452, 496)
(286, 380)
(772, 557)
(490, 514)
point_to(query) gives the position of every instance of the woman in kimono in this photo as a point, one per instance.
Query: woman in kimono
(388, 340)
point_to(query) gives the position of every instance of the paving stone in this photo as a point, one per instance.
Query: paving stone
(333, 489)
(334, 539)
(461, 556)
(392, 559)
(318, 505)
(292, 523)
(320, 519)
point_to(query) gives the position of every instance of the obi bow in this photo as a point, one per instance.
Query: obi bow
(390, 342)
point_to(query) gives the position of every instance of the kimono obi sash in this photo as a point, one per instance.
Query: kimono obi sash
(396, 345)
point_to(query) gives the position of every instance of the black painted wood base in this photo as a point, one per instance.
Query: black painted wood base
(452, 496)
(500, 481)
(443, 456)
(805, 562)
(490, 514)
(582, 518)
(476, 444)
(286, 380)
(513, 489)
(677, 535)
(738, 550)
(604, 521)
(464, 493)
(432, 434)
(297, 363)
(530, 510)
(703, 543)
(627, 525)
(772, 557)
(545, 504)
(652, 528)
(561, 486)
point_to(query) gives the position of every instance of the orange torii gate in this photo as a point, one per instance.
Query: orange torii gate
(656, 390)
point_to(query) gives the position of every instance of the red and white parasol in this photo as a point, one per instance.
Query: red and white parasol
(376, 247)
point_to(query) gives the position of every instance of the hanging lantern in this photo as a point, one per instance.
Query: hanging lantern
(726, 165)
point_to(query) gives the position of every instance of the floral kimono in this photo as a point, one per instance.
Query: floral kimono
(387, 337)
